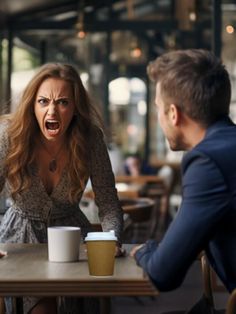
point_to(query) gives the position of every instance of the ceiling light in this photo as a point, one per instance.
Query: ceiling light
(136, 52)
(80, 22)
(192, 16)
(229, 29)
(81, 34)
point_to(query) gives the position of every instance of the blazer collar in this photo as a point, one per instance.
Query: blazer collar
(222, 123)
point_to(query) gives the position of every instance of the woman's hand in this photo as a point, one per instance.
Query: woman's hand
(120, 251)
(2, 254)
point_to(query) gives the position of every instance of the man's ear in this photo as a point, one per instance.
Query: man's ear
(174, 114)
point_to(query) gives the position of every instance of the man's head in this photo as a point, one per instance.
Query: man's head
(194, 83)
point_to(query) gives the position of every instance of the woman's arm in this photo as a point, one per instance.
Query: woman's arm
(4, 143)
(103, 183)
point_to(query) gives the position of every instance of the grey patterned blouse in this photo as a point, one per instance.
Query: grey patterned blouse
(33, 210)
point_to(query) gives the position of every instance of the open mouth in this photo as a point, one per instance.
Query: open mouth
(52, 125)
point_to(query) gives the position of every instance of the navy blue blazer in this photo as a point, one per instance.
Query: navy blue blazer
(206, 219)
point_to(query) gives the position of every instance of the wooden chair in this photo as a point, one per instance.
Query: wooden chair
(17, 305)
(139, 209)
(139, 212)
(154, 187)
(207, 293)
(231, 304)
(2, 306)
(207, 280)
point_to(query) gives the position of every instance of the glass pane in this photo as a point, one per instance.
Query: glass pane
(127, 105)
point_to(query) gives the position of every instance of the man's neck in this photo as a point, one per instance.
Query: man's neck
(194, 133)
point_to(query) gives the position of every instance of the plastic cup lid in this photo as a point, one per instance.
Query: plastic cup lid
(66, 228)
(98, 236)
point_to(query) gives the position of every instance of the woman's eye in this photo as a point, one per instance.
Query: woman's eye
(42, 101)
(63, 102)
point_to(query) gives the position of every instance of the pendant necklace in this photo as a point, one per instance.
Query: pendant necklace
(52, 166)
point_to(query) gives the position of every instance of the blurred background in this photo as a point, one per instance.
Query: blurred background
(111, 43)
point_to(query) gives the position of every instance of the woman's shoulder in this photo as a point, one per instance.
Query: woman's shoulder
(96, 134)
(4, 123)
(4, 138)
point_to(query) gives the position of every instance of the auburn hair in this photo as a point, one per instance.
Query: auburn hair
(23, 128)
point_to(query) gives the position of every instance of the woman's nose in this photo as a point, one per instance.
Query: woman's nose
(52, 107)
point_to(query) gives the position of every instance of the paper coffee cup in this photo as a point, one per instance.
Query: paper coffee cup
(101, 247)
(63, 244)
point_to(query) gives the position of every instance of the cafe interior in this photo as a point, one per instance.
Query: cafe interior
(111, 42)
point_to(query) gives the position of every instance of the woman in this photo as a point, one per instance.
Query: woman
(49, 148)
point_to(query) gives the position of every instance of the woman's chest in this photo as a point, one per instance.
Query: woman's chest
(51, 171)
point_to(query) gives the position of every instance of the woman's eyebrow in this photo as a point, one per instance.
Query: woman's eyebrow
(43, 97)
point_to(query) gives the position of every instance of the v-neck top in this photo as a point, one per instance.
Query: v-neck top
(33, 210)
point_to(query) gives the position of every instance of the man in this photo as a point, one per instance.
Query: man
(192, 98)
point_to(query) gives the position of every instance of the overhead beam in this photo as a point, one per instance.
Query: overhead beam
(96, 26)
(51, 9)
(48, 9)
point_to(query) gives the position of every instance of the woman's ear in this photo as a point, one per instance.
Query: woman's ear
(174, 114)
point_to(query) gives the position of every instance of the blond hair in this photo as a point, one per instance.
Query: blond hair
(23, 128)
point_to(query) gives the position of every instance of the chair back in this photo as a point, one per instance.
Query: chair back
(206, 273)
(2, 306)
(139, 209)
(231, 304)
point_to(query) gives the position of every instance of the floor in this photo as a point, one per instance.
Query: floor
(180, 299)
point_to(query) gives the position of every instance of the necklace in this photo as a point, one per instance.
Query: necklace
(52, 166)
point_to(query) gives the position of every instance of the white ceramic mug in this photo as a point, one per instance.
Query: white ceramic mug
(63, 244)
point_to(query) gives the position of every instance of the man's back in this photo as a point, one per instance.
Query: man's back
(206, 218)
(214, 184)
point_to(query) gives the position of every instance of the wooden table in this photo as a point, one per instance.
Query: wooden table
(131, 190)
(124, 189)
(26, 271)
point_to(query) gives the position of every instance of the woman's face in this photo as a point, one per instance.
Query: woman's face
(54, 108)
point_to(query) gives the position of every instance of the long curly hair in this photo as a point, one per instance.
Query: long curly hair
(23, 128)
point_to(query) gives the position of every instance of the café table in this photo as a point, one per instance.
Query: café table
(26, 271)
(133, 186)
(130, 190)
(123, 190)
